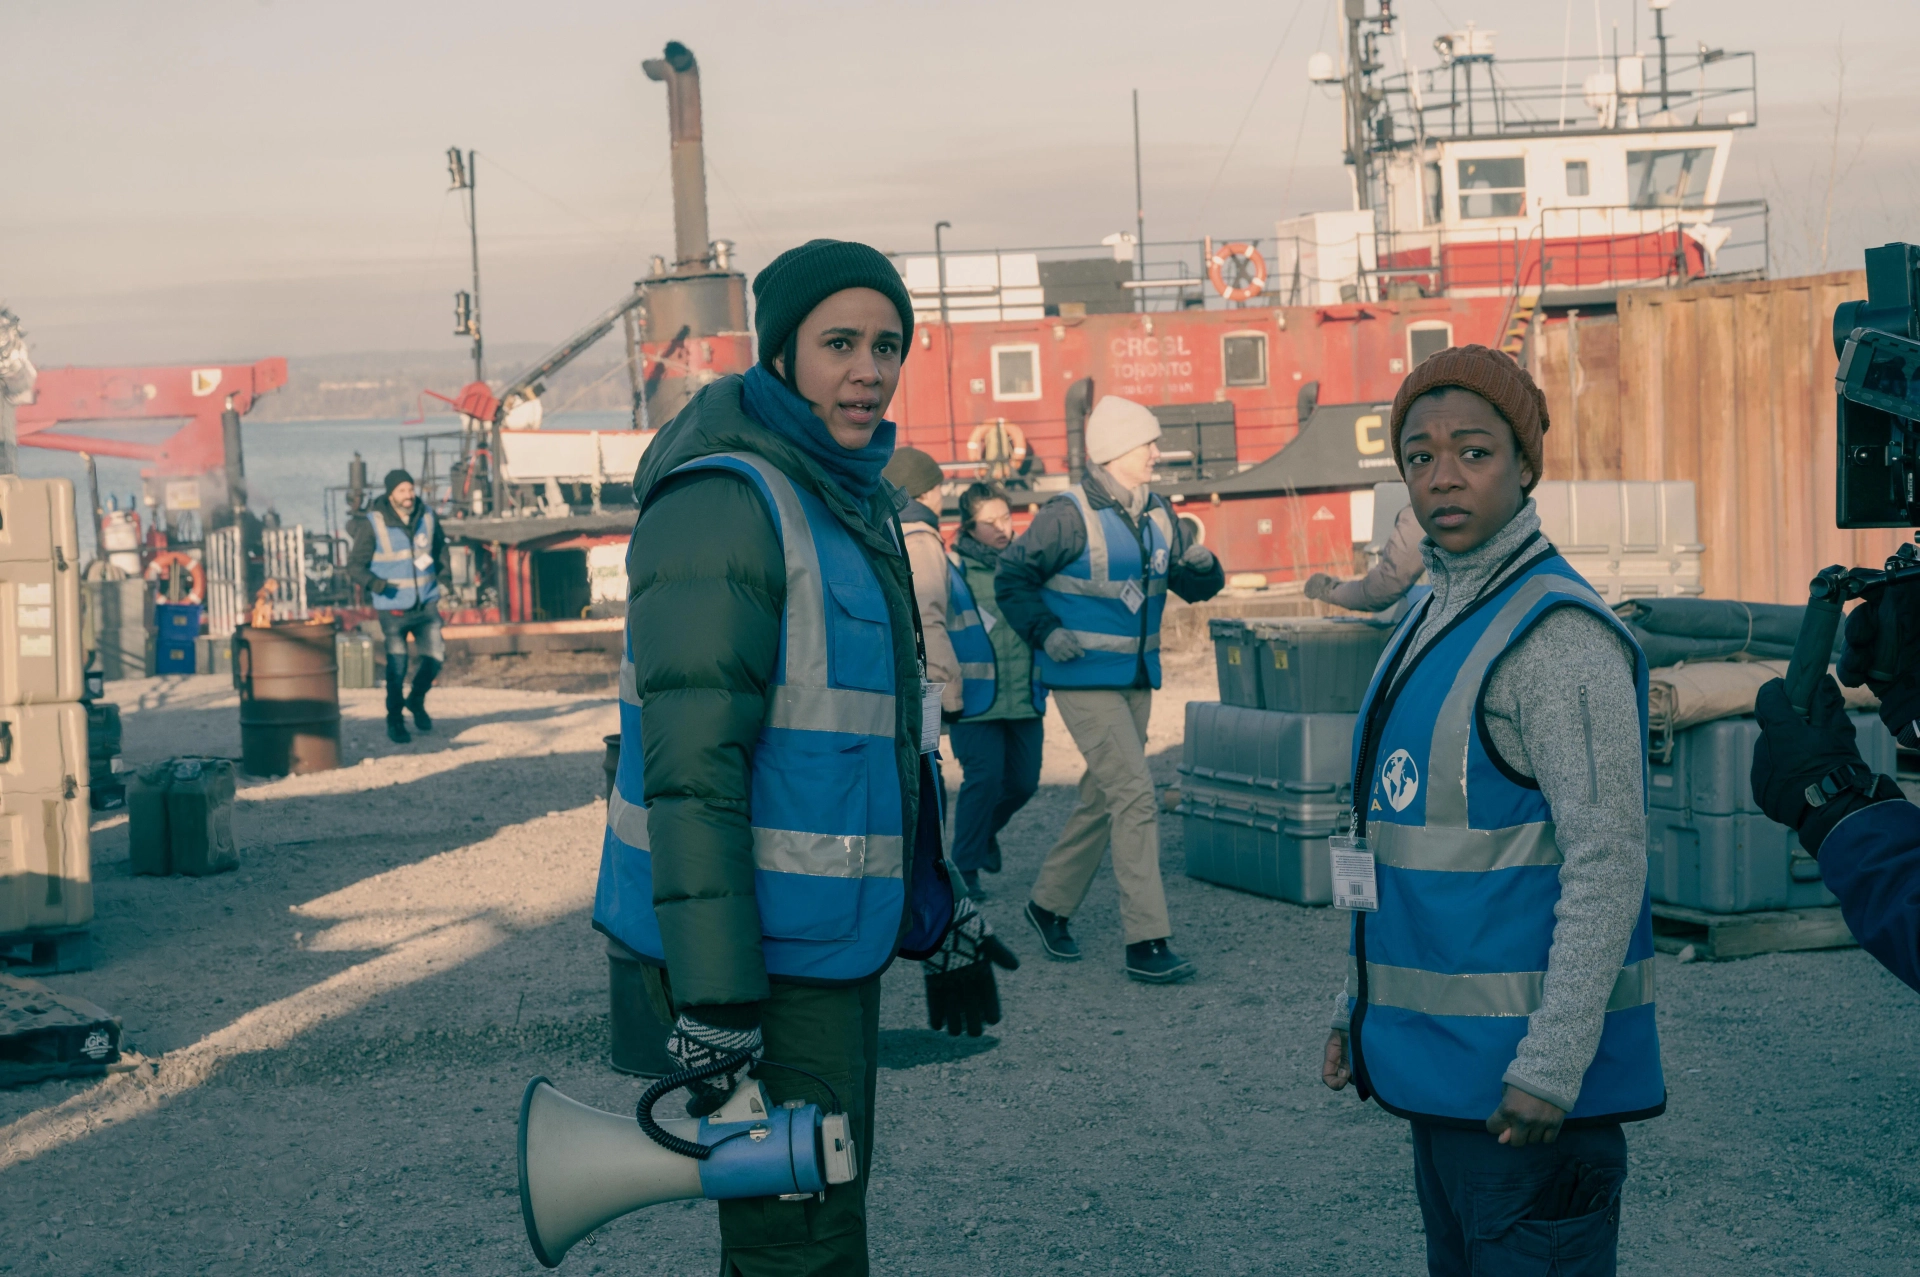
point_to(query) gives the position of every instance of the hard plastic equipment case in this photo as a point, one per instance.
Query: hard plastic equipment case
(43, 748)
(46, 870)
(40, 657)
(1710, 770)
(1261, 792)
(1233, 662)
(1316, 665)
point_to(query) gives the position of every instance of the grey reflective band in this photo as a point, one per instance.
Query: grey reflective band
(1451, 849)
(976, 669)
(381, 550)
(1098, 581)
(1103, 589)
(830, 709)
(629, 683)
(1124, 643)
(1453, 727)
(786, 850)
(1096, 537)
(964, 619)
(1498, 993)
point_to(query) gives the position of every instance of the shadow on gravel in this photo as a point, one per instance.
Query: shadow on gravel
(911, 1048)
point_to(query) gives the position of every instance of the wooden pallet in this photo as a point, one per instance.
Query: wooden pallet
(49, 952)
(1714, 936)
(44, 1035)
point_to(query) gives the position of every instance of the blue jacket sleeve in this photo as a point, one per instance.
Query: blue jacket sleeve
(1871, 861)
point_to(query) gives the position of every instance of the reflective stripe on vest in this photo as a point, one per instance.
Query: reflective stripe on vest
(397, 558)
(1468, 879)
(971, 645)
(825, 807)
(1090, 596)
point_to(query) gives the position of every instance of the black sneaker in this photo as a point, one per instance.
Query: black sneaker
(421, 719)
(397, 730)
(1053, 934)
(1153, 962)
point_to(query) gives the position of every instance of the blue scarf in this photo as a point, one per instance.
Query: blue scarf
(770, 402)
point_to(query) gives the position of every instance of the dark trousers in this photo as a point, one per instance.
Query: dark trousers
(1000, 765)
(1496, 1211)
(423, 623)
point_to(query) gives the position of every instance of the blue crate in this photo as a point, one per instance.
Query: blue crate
(177, 621)
(173, 656)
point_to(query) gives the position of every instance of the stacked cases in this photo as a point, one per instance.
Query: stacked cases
(46, 876)
(1708, 845)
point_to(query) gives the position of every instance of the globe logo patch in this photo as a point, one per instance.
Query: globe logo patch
(1400, 778)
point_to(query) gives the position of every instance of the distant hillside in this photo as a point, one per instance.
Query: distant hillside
(378, 384)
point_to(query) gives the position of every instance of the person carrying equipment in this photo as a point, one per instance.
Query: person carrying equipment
(1085, 585)
(773, 837)
(398, 555)
(1500, 986)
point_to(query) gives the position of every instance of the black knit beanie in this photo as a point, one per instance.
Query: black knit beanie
(801, 278)
(395, 478)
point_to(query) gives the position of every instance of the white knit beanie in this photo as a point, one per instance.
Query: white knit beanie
(1116, 427)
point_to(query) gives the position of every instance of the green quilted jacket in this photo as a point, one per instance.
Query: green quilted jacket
(706, 585)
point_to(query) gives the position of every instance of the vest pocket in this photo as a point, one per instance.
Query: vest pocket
(860, 650)
(809, 820)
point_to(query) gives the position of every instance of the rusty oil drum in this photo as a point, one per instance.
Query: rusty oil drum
(289, 684)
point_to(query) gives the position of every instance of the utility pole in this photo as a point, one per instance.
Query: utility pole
(1659, 8)
(466, 306)
(1139, 207)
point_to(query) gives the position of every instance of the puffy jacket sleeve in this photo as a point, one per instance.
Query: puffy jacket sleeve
(707, 586)
(1191, 584)
(1400, 566)
(927, 558)
(360, 555)
(1871, 861)
(1055, 538)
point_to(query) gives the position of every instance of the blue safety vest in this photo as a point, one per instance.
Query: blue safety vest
(406, 561)
(966, 626)
(826, 809)
(1443, 977)
(1111, 597)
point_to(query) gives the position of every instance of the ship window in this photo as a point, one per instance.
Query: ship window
(1493, 187)
(1436, 198)
(1016, 372)
(1668, 179)
(1577, 183)
(1426, 340)
(1244, 359)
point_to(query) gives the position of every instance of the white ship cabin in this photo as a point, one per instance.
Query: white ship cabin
(1555, 181)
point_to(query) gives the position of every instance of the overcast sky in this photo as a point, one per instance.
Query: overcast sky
(233, 178)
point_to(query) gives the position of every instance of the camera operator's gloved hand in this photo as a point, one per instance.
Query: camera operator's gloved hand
(1062, 646)
(694, 1044)
(1900, 697)
(960, 988)
(1320, 587)
(1197, 558)
(1796, 761)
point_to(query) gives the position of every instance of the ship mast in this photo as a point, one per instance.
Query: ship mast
(1362, 98)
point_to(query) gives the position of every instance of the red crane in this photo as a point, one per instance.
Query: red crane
(72, 397)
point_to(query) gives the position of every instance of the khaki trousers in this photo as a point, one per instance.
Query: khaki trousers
(1116, 806)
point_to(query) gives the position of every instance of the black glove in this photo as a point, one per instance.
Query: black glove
(694, 1044)
(1796, 762)
(960, 987)
(1900, 698)
(1197, 558)
(386, 589)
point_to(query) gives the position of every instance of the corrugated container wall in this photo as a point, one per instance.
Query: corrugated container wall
(1731, 386)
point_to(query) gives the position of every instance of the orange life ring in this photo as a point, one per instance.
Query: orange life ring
(161, 569)
(1016, 440)
(1249, 270)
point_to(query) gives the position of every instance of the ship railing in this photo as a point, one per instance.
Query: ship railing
(1484, 96)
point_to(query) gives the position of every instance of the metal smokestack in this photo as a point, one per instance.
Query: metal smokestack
(681, 74)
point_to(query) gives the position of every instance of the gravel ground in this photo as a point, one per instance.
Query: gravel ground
(333, 1042)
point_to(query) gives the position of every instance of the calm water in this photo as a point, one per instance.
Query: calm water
(289, 463)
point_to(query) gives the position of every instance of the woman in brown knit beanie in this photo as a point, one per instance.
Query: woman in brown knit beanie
(1457, 465)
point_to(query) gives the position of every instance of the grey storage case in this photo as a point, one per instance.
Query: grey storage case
(1317, 665)
(1234, 662)
(1710, 772)
(1729, 864)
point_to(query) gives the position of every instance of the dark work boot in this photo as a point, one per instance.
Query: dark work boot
(1153, 962)
(417, 698)
(993, 854)
(1053, 934)
(971, 877)
(396, 698)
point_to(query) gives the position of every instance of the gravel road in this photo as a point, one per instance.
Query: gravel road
(333, 1042)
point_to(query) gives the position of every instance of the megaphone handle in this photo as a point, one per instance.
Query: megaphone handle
(1813, 647)
(643, 1111)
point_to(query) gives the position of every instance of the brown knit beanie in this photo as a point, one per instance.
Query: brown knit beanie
(1493, 376)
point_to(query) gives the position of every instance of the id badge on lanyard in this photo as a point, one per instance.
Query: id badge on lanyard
(930, 694)
(1354, 883)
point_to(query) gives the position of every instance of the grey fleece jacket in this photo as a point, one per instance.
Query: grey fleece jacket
(1561, 708)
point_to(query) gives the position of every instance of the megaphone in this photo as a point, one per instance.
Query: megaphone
(581, 1168)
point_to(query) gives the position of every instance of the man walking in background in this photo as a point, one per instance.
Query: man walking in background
(918, 477)
(1085, 585)
(398, 556)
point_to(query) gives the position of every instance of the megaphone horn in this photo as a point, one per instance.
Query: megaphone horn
(581, 1168)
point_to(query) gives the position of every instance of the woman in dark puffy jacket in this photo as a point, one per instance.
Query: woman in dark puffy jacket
(999, 748)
